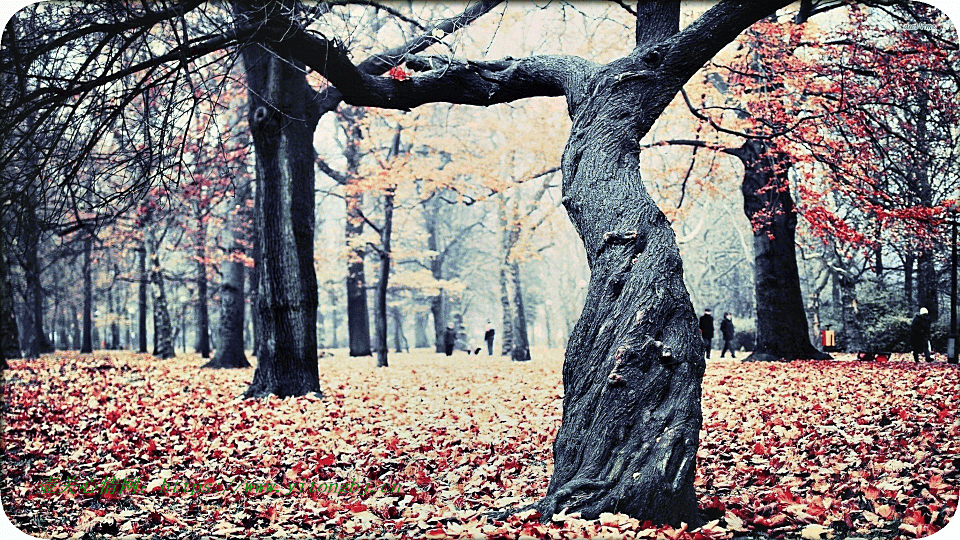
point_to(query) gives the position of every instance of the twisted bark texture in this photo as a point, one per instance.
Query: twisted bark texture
(283, 117)
(634, 364)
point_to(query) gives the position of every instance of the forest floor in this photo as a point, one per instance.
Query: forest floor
(797, 450)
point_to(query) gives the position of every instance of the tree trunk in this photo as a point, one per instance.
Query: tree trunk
(39, 343)
(86, 345)
(202, 315)
(142, 278)
(908, 261)
(851, 336)
(358, 315)
(254, 292)
(283, 117)
(9, 340)
(63, 338)
(230, 353)
(399, 338)
(334, 322)
(114, 338)
(506, 342)
(76, 335)
(162, 325)
(438, 302)
(420, 337)
(634, 363)
(927, 284)
(782, 330)
(521, 344)
(385, 256)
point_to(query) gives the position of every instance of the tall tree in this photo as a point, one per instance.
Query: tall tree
(87, 345)
(230, 352)
(9, 340)
(782, 331)
(283, 115)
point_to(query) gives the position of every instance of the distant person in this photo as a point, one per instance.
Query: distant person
(488, 337)
(726, 329)
(449, 339)
(706, 329)
(920, 335)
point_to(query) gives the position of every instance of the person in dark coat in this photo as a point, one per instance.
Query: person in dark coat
(706, 330)
(488, 337)
(920, 335)
(449, 339)
(726, 329)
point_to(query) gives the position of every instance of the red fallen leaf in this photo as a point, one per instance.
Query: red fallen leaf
(871, 493)
(436, 532)
(913, 517)
(327, 460)
(356, 507)
(771, 522)
(759, 449)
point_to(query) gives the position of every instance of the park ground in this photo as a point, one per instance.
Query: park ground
(840, 449)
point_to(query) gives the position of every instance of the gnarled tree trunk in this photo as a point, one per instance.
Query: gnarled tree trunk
(283, 117)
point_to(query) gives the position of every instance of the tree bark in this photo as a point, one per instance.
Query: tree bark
(927, 284)
(358, 314)
(438, 303)
(521, 343)
(39, 343)
(633, 365)
(142, 278)
(230, 353)
(114, 338)
(86, 345)
(782, 330)
(851, 336)
(514, 316)
(162, 325)
(283, 117)
(202, 315)
(9, 339)
(420, 337)
(506, 341)
(385, 256)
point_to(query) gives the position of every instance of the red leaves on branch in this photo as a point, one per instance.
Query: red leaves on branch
(398, 73)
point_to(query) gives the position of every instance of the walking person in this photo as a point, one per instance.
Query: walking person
(449, 339)
(488, 337)
(920, 335)
(706, 329)
(727, 331)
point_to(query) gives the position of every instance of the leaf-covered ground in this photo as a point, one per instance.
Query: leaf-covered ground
(802, 449)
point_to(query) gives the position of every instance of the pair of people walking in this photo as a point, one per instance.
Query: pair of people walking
(726, 330)
(450, 340)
